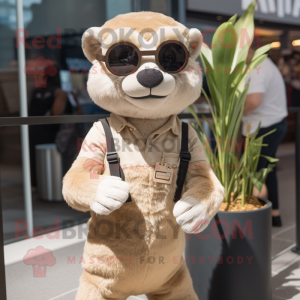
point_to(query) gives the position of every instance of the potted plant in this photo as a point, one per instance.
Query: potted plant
(231, 258)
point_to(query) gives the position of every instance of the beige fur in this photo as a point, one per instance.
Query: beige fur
(137, 22)
(152, 205)
(202, 181)
(106, 89)
(116, 263)
(112, 97)
(78, 188)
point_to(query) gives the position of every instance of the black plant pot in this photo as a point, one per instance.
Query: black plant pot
(235, 267)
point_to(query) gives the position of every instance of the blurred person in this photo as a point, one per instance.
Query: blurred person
(285, 70)
(284, 65)
(275, 56)
(295, 78)
(47, 101)
(266, 104)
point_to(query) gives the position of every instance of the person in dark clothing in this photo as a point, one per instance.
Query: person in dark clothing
(273, 143)
(48, 101)
(266, 104)
(295, 78)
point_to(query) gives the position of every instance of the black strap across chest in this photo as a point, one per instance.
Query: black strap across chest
(185, 157)
(112, 155)
(116, 169)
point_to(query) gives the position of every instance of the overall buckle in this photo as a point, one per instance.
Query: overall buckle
(112, 157)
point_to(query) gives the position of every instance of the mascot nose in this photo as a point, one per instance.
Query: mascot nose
(150, 78)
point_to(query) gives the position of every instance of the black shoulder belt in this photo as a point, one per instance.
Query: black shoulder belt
(116, 169)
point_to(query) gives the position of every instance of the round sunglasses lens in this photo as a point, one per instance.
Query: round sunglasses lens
(172, 57)
(123, 60)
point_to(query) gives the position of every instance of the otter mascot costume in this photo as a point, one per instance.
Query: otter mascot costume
(142, 173)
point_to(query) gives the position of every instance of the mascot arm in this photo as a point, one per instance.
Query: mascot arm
(203, 193)
(85, 187)
(80, 185)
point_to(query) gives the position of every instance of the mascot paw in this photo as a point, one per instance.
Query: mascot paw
(111, 194)
(192, 215)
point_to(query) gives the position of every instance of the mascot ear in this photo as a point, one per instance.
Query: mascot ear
(195, 42)
(91, 44)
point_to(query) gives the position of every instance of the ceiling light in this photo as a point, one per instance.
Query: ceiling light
(296, 43)
(275, 45)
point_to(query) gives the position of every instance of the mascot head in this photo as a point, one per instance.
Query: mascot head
(144, 65)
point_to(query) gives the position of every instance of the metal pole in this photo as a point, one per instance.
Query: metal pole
(24, 128)
(2, 261)
(296, 249)
(170, 8)
(137, 6)
(181, 11)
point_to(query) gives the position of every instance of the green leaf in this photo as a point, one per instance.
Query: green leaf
(194, 114)
(255, 63)
(207, 53)
(259, 145)
(214, 91)
(254, 135)
(270, 159)
(237, 114)
(244, 28)
(257, 181)
(211, 125)
(261, 51)
(235, 77)
(210, 105)
(233, 19)
(266, 134)
(259, 178)
(223, 49)
(251, 67)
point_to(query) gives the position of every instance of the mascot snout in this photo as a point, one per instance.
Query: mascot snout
(150, 78)
(148, 86)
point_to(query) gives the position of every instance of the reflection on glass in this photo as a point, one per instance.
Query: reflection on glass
(57, 71)
(53, 159)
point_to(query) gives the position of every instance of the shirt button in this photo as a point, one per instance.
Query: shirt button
(149, 146)
(131, 129)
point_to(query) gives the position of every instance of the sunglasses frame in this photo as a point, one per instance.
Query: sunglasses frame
(141, 53)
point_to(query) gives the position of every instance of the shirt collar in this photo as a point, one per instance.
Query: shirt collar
(120, 123)
(172, 124)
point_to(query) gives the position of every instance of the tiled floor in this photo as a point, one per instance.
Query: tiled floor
(286, 180)
(285, 268)
(286, 276)
(45, 214)
(60, 283)
(22, 285)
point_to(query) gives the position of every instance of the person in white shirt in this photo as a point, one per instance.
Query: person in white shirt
(266, 104)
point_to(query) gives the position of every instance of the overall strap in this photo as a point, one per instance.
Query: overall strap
(185, 157)
(111, 154)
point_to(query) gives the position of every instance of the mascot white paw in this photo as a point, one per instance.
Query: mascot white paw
(111, 194)
(192, 215)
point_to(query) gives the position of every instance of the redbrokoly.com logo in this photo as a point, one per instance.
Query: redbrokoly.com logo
(39, 258)
(40, 68)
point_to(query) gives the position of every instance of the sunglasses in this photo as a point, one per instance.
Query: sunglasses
(125, 58)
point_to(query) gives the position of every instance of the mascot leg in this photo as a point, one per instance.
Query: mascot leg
(90, 289)
(179, 287)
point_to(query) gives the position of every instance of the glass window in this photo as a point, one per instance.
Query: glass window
(53, 43)
(159, 6)
(116, 7)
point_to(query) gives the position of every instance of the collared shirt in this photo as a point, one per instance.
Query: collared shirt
(134, 150)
